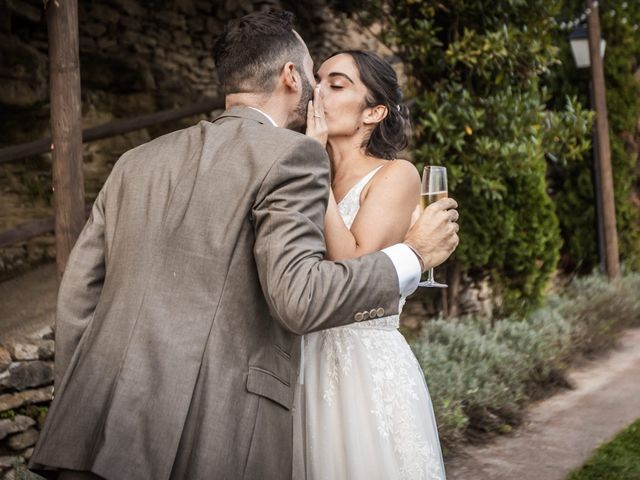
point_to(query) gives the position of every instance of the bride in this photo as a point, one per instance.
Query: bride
(366, 410)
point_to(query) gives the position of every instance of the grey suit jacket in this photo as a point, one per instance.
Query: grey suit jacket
(180, 309)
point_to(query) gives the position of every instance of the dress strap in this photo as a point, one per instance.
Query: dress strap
(360, 184)
(369, 176)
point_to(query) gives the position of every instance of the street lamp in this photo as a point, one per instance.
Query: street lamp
(588, 48)
(579, 40)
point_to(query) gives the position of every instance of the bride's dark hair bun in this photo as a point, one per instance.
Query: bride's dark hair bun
(391, 135)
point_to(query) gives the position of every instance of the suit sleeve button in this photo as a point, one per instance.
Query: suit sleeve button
(380, 312)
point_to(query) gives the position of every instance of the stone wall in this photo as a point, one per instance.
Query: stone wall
(26, 381)
(137, 57)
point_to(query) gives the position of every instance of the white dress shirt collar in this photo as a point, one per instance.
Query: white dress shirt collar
(270, 119)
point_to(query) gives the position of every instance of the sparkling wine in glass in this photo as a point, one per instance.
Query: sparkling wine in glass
(434, 188)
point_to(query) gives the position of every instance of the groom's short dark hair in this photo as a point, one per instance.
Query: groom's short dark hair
(251, 51)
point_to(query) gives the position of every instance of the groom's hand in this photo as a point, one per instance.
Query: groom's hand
(434, 235)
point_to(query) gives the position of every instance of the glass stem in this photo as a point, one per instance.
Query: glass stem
(430, 279)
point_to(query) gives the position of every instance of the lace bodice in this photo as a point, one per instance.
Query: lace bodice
(350, 204)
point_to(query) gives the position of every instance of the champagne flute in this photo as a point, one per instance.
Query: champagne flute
(434, 188)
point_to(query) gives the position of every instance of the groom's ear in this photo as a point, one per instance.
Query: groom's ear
(375, 114)
(290, 76)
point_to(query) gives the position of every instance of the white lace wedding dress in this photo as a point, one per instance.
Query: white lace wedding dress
(366, 412)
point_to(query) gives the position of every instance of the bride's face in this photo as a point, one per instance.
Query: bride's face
(343, 96)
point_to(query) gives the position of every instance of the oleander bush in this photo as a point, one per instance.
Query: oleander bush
(477, 72)
(482, 374)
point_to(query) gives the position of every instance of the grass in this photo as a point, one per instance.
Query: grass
(616, 460)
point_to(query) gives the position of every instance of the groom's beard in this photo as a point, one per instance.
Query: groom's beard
(299, 121)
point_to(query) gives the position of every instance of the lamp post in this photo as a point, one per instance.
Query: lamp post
(588, 49)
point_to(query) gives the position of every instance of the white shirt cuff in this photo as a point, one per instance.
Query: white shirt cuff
(407, 267)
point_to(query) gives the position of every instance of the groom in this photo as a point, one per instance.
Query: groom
(177, 345)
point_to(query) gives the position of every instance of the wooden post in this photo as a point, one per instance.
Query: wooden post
(604, 150)
(66, 126)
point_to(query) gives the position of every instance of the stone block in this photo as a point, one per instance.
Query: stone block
(207, 41)
(11, 401)
(104, 13)
(23, 440)
(28, 453)
(23, 375)
(130, 37)
(5, 359)
(186, 6)
(181, 59)
(203, 5)
(174, 20)
(131, 24)
(208, 63)
(196, 24)
(24, 351)
(105, 43)
(149, 40)
(469, 302)
(93, 29)
(25, 10)
(4, 377)
(45, 333)
(181, 39)
(46, 349)
(213, 25)
(25, 73)
(140, 48)
(11, 461)
(19, 424)
(131, 7)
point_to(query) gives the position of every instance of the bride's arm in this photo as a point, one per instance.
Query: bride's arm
(384, 216)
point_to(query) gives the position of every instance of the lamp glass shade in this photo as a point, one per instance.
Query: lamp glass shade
(579, 39)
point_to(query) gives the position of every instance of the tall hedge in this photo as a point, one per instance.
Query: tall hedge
(476, 71)
(572, 181)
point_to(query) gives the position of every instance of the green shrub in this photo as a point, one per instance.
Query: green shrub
(481, 375)
(476, 70)
(599, 310)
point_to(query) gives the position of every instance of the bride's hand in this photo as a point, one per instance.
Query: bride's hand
(316, 123)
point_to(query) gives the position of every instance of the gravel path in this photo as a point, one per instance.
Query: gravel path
(562, 432)
(28, 302)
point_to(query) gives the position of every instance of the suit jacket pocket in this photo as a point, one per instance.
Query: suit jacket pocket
(267, 384)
